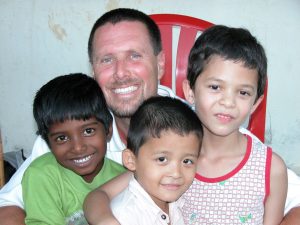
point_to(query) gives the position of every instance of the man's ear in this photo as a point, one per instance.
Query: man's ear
(128, 159)
(92, 71)
(256, 104)
(161, 62)
(188, 92)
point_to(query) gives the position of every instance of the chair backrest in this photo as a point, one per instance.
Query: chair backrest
(189, 29)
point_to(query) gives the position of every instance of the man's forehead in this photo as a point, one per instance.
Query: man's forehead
(130, 27)
(124, 36)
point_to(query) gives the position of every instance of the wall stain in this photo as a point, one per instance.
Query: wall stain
(112, 4)
(56, 29)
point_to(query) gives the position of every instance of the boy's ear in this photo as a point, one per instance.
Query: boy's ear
(256, 104)
(128, 159)
(188, 92)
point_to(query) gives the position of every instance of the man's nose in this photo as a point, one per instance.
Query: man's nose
(121, 69)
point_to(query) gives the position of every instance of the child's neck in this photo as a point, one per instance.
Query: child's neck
(165, 208)
(220, 155)
(222, 145)
(90, 177)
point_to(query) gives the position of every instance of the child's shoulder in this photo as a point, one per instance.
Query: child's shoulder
(113, 166)
(252, 137)
(42, 168)
(44, 160)
(279, 166)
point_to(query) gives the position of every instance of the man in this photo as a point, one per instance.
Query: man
(127, 60)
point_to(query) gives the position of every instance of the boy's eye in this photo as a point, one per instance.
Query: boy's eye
(161, 159)
(245, 93)
(214, 87)
(89, 131)
(61, 138)
(188, 161)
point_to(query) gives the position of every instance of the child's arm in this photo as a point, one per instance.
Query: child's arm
(97, 204)
(292, 217)
(274, 206)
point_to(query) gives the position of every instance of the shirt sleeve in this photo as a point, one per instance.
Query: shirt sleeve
(11, 193)
(125, 217)
(42, 197)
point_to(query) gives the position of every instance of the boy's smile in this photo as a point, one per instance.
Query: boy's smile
(79, 145)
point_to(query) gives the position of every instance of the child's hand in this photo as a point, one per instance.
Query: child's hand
(109, 221)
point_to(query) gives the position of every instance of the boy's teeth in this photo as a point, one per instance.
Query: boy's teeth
(82, 160)
(125, 90)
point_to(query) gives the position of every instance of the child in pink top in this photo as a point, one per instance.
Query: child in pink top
(239, 179)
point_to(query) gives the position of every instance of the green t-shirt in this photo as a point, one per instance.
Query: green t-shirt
(54, 195)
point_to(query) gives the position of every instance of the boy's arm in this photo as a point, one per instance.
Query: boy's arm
(42, 198)
(274, 206)
(292, 205)
(292, 217)
(96, 213)
(12, 215)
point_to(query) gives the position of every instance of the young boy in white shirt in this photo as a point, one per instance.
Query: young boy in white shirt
(163, 144)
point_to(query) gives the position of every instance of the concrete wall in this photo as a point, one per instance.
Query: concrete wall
(42, 39)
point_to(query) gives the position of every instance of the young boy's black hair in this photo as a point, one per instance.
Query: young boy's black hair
(68, 97)
(158, 114)
(235, 44)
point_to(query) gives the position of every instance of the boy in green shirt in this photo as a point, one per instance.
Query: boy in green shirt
(72, 116)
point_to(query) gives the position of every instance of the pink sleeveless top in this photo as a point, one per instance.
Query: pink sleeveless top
(235, 198)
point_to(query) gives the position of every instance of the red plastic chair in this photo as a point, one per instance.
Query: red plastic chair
(189, 28)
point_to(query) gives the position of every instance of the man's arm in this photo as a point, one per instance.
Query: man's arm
(12, 215)
(97, 204)
(292, 217)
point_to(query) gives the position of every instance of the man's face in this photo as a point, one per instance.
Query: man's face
(125, 66)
